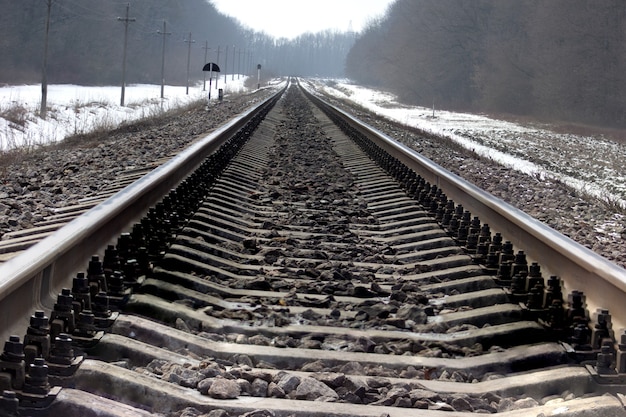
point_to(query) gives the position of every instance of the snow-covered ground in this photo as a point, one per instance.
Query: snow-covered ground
(74, 109)
(594, 165)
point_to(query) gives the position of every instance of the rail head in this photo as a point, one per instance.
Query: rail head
(31, 280)
(579, 268)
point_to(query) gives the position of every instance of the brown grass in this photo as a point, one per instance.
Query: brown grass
(17, 114)
(87, 140)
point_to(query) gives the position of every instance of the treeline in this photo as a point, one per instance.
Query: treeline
(321, 54)
(86, 42)
(558, 59)
(86, 39)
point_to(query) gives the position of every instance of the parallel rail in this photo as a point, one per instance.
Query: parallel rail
(15, 242)
(579, 268)
(32, 280)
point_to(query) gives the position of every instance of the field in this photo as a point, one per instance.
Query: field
(592, 164)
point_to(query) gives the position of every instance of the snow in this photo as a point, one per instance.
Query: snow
(593, 165)
(74, 109)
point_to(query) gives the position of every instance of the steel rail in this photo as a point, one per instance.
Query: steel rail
(32, 280)
(603, 282)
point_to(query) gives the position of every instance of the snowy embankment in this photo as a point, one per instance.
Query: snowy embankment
(593, 165)
(74, 109)
(30, 191)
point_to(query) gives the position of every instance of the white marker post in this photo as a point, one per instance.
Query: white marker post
(210, 67)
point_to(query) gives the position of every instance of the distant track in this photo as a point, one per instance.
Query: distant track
(298, 262)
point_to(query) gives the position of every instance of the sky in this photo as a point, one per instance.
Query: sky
(291, 18)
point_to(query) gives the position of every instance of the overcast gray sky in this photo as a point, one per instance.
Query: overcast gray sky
(290, 18)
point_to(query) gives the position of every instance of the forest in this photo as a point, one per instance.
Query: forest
(558, 59)
(86, 40)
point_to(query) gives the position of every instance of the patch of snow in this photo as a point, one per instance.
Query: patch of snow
(74, 109)
(592, 165)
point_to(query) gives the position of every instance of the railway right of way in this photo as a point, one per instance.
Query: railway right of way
(321, 276)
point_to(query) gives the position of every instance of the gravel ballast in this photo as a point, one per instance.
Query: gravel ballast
(35, 183)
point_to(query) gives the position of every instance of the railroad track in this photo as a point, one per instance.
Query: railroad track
(308, 267)
(14, 243)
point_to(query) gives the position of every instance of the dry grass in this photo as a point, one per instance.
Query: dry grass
(105, 132)
(613, 204)
(9, 158)
(102, 134)
(16, 114)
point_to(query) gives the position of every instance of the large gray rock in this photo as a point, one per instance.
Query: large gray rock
(224, 389)
(312, 389)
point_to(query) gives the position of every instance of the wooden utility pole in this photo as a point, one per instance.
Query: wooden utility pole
(206, 53)
(164, 33)
(225, 64)
(126, 20)
(239, 63)
(217, 61)
(44, 70)
(233, 75)
(188, 61)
